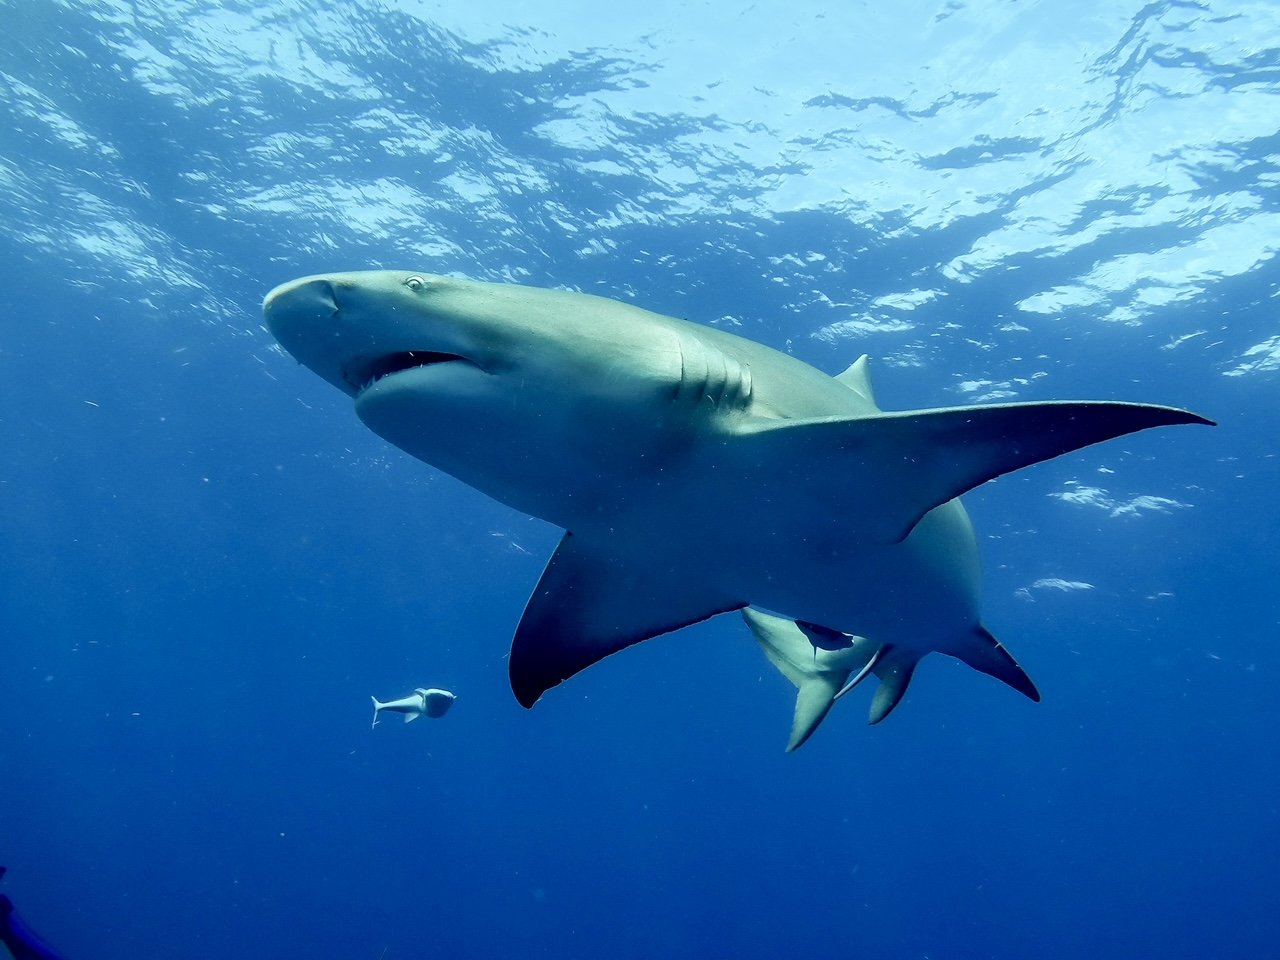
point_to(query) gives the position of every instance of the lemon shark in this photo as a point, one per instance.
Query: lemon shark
(695, 472)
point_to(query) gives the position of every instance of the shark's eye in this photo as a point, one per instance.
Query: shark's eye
(416, 283)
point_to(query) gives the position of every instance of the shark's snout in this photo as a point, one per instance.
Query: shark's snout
(299, 301)
(306, 318)
(356, 329)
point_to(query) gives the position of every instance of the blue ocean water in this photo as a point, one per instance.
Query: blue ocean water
(207, 564)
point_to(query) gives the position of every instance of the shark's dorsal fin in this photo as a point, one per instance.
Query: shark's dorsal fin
(590, 604)
(858, 379)
(902, 465)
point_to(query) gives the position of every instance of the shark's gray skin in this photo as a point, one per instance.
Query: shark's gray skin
(694, 471)
(423, 702)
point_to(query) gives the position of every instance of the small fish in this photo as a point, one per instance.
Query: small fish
(424, 700)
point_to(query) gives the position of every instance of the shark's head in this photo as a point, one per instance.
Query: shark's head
(359, 329)
(483, 380)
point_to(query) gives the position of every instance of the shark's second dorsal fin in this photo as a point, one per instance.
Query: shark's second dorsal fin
(899, 466)
(858, 379)
(589, 604)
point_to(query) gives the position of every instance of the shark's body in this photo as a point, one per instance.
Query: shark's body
(694, 471)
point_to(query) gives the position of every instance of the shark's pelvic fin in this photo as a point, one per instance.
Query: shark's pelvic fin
(989, 656)
(914, 461)
(590, 604)
(895, 667)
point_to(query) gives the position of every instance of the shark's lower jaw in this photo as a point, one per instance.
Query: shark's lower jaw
(361, 374)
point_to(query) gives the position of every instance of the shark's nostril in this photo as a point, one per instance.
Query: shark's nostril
(330, 296)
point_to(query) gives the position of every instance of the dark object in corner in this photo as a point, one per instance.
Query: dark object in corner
(21, 941)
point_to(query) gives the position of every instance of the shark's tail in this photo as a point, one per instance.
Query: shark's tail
(823, 671)
(810, 658)
(377, 708)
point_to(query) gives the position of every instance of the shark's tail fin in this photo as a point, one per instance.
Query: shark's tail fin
(818, 673)
(377, 708)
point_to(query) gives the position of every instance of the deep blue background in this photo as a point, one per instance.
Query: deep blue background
(207, 564)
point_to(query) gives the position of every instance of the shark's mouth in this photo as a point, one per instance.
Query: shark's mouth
(363, 373)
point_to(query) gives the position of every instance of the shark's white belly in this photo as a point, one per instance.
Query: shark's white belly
(920, 593)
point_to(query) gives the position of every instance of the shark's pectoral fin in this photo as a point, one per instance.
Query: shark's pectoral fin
(895, 668)
(905, 464)
(988, 655)
(589, 604)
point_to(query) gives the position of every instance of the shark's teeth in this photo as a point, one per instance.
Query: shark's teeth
(364, 372)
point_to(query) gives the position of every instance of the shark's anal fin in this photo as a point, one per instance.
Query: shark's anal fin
(589, 604)
(895, 668)
(909, 463)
